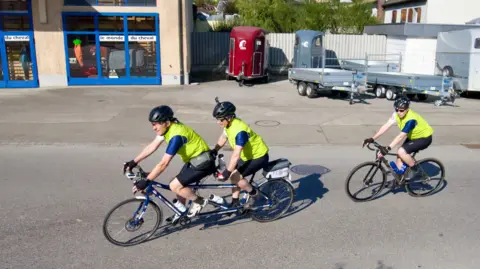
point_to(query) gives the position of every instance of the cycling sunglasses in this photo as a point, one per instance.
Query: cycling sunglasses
(400, 110)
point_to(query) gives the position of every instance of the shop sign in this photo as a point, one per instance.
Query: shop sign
(147, 38)
(17, 38)
(111, 38)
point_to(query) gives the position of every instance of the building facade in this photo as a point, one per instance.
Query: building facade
(430, 11)
(94, 42)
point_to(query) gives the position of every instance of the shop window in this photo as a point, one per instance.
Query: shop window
(82, 56)
(150, 3)
(18, 60)
(79, 23)
(13, 5)
(143, 56)
(16, 23)
(477, 43)
(141, 23)
(112, 57)
(110, 23)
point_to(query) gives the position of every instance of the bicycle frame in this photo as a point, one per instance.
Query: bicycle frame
(226, 209)
(398, 178)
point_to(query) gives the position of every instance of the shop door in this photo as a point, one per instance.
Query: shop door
(17, 60)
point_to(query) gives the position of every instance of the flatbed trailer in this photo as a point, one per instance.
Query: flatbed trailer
(390, 82)
(310, 81)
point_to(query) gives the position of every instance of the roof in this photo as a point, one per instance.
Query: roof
(245, 31)
(398, 2)
(308, 34)
(425, 30)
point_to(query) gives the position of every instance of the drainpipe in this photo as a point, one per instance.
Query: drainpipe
(380, 11)
(180, 34)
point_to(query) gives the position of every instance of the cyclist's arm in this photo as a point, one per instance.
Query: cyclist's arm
(385, 127)
(409, 126)
(240, 140)
(173, 146)
(149, 149)
(221, 141)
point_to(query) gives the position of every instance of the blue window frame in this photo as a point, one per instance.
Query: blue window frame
(86, 33)
(17, 47)
(130, 3)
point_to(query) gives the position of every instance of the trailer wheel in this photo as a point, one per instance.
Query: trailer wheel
(380, 91)
(302, 88)
(310, 90)
(390, 94)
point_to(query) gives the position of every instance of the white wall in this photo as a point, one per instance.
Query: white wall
(396, 45)
(452, 12)
(420, 56)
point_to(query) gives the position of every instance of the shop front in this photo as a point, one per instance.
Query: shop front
(112, 48)
(17, 47)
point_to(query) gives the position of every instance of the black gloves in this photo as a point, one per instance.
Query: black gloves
(130, 164)
(368, 141)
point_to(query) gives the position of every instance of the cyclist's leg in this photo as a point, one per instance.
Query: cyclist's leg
(236, 190)
(188, 175)
(246, 170)
(413, 146)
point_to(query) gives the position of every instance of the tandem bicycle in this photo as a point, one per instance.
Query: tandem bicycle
(409, 179)
(275, 189)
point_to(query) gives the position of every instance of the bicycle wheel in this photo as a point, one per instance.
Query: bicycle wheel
(372, 169)
(280, 193)
(420, 180)
(132, 221)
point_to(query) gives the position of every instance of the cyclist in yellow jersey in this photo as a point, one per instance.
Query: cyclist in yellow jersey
(414, 129)
(184, 141)
(250, 153)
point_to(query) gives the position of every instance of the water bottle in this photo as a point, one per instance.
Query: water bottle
(395, 168)
(244, 198)
(216, 199)
(181, 207)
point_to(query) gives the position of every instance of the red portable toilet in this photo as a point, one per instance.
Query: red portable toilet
(248, 54)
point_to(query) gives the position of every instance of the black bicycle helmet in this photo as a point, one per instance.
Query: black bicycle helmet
(402, 103)
(223, 109)
(161, 114)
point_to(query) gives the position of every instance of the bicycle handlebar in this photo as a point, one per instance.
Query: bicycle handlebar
(378, 148)
(141, 174)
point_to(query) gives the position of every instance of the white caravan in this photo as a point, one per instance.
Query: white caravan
(458, 55)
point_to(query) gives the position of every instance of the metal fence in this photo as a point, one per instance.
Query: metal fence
(210, 49)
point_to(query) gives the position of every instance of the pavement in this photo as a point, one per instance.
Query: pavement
(62, 150)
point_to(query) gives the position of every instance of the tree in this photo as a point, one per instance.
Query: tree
(286, 16)
(279, 16)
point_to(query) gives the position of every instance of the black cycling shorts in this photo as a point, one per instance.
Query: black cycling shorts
(189, 175)
(249, 167)
(417, 144)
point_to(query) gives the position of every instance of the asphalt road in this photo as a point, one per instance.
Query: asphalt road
(53, 201)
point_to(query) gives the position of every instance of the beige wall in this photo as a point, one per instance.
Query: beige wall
(49, 36)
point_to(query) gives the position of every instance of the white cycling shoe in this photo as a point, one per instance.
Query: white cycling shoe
(196, 208)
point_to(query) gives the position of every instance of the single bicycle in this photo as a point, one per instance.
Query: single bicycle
(399, 179)
(276, 177)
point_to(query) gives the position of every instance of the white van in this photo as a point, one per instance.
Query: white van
(458, 55)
